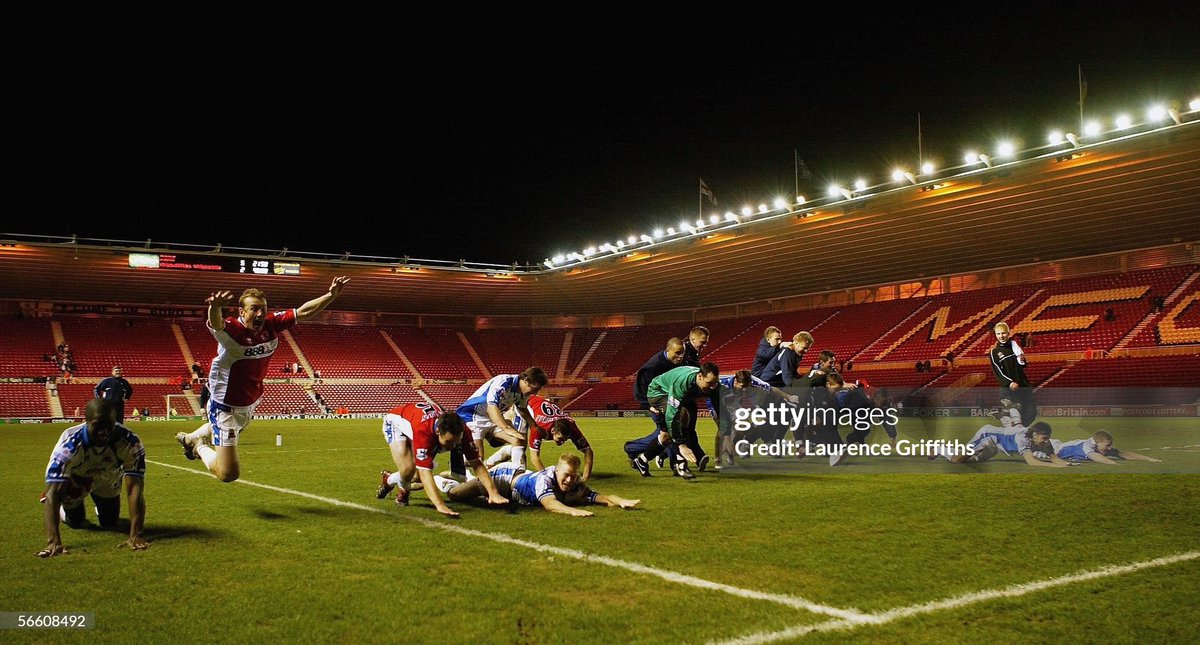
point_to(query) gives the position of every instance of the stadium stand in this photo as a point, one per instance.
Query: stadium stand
(23, 342)
(367, 399)
(436, 352)
(141, 346)
(348, 351)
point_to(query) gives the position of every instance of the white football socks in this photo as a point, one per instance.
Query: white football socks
(204, 432)
(208, 454)
(518, 455)
(500, 456)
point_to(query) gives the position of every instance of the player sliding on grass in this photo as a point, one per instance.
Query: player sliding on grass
(1098, 448)
(1013, 437)
(415, 433)
(557, 489)
(245, 344)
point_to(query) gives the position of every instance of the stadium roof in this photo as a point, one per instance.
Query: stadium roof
(1133, 192)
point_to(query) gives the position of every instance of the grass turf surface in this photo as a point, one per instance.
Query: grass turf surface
(231, 561)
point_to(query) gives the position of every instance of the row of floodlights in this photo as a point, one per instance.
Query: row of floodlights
(1004, 151)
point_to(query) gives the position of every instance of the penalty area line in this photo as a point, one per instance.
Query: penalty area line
(848, 616)
(955, 602)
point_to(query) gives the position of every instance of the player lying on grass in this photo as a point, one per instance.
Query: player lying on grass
(549, 422)
(1098, 448)
(415, 433)
(557, 489)
(1027, 442)
(93, 458)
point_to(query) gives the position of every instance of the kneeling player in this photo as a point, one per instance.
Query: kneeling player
(1098, 448)
(556, 489)
(92, 459)
(415, 433)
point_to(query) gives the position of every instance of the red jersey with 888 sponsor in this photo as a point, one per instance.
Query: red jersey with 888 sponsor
(243, 355)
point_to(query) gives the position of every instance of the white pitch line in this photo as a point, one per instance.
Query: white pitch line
(1011, 591)
(271, 451)
(847, 615)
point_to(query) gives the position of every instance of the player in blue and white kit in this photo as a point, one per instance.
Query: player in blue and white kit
(557, 488)
(1013, 437)
(93, 458)
(484, 411)
(1098, 448)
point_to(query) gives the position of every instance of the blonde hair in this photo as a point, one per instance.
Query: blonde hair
(569, 459)
(803, 336)
(252, 293)
(1001, 325)
(771, 330)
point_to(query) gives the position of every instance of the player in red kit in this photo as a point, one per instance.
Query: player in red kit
(416, 433)
(245, 344)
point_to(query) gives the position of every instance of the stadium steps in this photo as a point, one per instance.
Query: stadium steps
(183, 344)
(193, 401)
(952, 392)
(573, 400)
(473, 354)
(859, 356)
(396, 348)
(561, 370)
(56, 409)
(425, 396)
(591, 350)
(1155, 315)
(56, 329)
(300, 357)
(1066, 366)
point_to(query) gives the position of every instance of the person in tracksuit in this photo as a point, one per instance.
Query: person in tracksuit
(1008, 364)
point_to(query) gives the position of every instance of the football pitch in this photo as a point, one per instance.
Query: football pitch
(895, 549)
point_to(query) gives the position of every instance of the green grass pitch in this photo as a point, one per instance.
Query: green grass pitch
(240, 563)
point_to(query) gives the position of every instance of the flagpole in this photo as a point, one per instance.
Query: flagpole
(700, 202)
(1081, 100)
(920, 146)
(796, 167)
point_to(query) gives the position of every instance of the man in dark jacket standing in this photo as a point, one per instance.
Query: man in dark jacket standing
(116, 389)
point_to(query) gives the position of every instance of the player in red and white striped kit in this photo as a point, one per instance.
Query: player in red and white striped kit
(245, 344)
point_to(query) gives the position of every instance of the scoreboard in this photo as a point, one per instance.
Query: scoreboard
(230, 264)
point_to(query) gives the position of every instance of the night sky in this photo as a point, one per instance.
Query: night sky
(501, 148)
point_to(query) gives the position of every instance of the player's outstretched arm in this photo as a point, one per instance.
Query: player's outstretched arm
(1100, 459)
(1034, 461)
(137, 513)
(318, 304)
(554, 506)
(216, 304)
(485, 478)
(619, 502)
(1133, 456)
(432, 492)
(53, 502)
